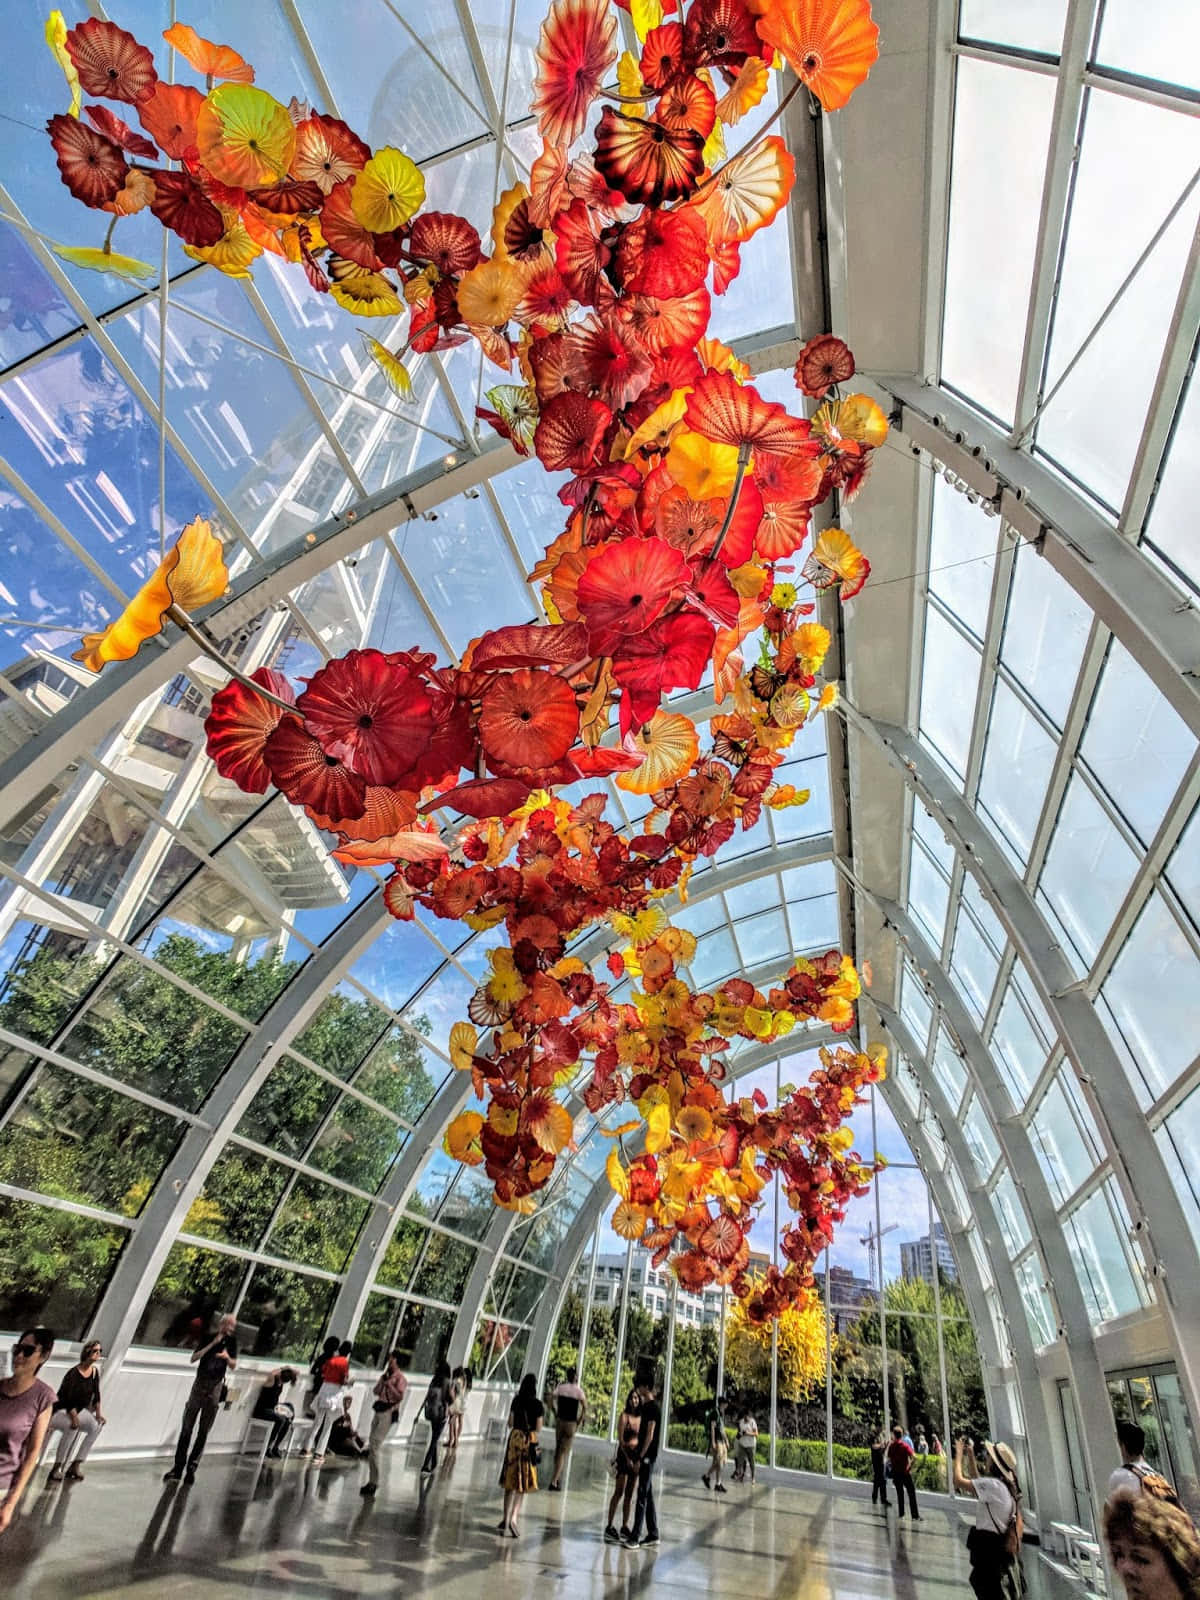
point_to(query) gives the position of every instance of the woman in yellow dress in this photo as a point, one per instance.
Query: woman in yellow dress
(521, 1454)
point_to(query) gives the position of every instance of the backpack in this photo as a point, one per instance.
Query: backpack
(435, 1403)
(1155, 1485)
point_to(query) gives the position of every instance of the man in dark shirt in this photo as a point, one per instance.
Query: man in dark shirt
(215, 1361)
(650, 1427)
(900, 1459)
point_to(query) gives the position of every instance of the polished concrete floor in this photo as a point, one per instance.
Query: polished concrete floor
(294, 1530)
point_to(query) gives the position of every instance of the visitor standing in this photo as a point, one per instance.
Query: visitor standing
(436, 1409)
(570, 1413)
(25, 1406)
(649, 1427)
(995, 1540)
(718, 1444)
(460, 1388)
(214, 1362)
(77, 1415)
(518, 1475)
(329, 1348)
(1135, 1475)
(1153, 1547)
(270, 1406)
(625, 1466)
(900, 1459)
(935, 1445)
(746, 1460)
(879, 1470)
(335, 1375)
(922, 1445)
(385, 1413)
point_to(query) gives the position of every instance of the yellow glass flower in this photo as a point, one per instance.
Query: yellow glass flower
(370, 294)
(190, 574)
(463, 1041)
(232, 253)
(97, 260)
(706, 469)
(387, 191)
(660, 424)
(462, 1138)
(245, 137)
(618, 1178)
(56, 38)
(658, 1129)
(390, 365)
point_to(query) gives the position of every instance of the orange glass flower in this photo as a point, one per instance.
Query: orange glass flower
(576, 47)
(212, 60)
(831, 45)
(244, 136)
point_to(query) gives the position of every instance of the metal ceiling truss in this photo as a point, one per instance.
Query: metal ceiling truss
(1160, 1226)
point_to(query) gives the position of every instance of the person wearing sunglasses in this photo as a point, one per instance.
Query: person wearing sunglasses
(77, 1415)
(25, 1406)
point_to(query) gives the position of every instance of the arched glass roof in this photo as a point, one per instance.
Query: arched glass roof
(1002, 827)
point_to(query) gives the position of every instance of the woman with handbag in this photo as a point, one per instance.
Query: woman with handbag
(522, 1453)
(385, 1413)
(995, 1540)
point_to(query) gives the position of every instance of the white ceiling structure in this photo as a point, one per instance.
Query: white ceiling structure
(1005, 225)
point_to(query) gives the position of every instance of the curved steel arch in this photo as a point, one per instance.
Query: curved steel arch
(1086, 1368)
(1160, 1225)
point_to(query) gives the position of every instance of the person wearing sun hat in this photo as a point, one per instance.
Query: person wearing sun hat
(995, 1540)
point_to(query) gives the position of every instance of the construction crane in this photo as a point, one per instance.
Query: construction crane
(871, 1239)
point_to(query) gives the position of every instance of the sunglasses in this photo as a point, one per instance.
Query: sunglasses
(25, 1350)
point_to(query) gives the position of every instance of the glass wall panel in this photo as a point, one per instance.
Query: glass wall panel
(194, 1287)
(962, 554)
(949, 1069)
(143, 1030)
(79, 1141)
(373, 1336)
(53, 1266)
(1017, 762)
(288, 1109)
(401, 1073)
(1064, 1136)
(1046, 628)
(915, 1007)
(949, 677)
(974, 963)
(443, 1269)
(1088, 869)
(238, 1199)
(981, 1140)
(283, 1314)
(357, 1144)
(1024, 24)
(1001, 132)
(1135, 743)
(317, 1225)
(928, 894)
(345, 1028)
(1150, 999)
(1010, 1213)
(1019, 1050)
(1152, 41)
(1039, 1313)
(1109, 1273)
(1179, 1140)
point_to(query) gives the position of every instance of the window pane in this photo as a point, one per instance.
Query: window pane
(317, 1225)
(1010, 1213)
(974, 963)
(1154, 41)
(79, 1141)
(949, 677)
(1137, 746)
(1151, 992)
(1088, 869)
(1017, 762)
(53, 1266)
(1108, 1276)
(1039, 1313)
(1045, 630)
(1026, 24)
(238, 1199)
(193, 1288)
(928, 895)
(1171, 527)
(283, 1313)
(915, 1007)
(444, 1268)
(962, 555)
(981, 1141)
(949, 1069)
(1179, 1139)
(288, 1108)
(357, 1145)
(1019, 1051)
(1001, 134)
(1183, 869)
(1064, 1136)
(1091, 426)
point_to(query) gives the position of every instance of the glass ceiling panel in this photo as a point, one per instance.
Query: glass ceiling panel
(1088, 868)
(1092, 426)
(1017, 763)
(1155, 40)
(1152, 991)
(1171, 528)
(1045, 630)
(962, 556)
(1024, 24)
(33, 310)
(1135, 743)
(949, 677)
(1001, 135)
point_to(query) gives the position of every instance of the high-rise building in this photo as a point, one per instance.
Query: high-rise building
(917, 1256)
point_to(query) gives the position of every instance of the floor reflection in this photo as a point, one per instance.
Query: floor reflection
(291, 1529)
